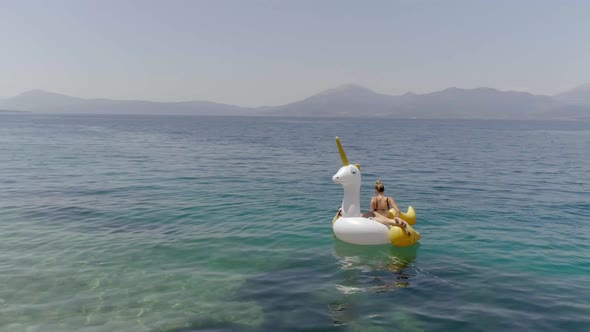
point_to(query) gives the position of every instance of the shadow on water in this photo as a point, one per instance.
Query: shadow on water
(290, 298)
(375, 258)
(366, 272)
(326, 294)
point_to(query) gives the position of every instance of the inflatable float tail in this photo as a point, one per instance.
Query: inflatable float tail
(409, 216)
(398, 237)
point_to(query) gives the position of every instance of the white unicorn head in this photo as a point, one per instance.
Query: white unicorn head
(349, 176)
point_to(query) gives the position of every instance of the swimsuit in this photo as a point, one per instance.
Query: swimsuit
(376, 209)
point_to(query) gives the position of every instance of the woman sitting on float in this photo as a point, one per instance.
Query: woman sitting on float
(370, 228)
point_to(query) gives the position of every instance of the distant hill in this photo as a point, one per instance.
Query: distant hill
(344, 101)
(484, 103)
(576, 96)
(6, 111)
(480, 103)
(39, 100)
(49, 102)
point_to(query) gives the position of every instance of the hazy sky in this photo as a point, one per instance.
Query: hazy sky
(255, 53)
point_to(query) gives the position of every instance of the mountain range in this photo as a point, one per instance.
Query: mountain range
(349, 100)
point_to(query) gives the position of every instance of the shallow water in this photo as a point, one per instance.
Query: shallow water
(146, 223)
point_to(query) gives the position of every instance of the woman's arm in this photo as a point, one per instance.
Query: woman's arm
(393, 205)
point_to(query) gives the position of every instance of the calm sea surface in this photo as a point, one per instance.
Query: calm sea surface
(146, 223)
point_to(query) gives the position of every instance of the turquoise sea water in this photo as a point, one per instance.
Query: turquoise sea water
(131, 223)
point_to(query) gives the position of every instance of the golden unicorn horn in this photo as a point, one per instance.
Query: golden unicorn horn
(342, 154)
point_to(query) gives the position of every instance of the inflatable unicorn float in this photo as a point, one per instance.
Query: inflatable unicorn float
(351, 227)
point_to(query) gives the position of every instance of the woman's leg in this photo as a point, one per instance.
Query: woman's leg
(369, 214)
(392, 222)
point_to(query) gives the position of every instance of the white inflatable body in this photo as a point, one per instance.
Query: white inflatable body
(359, 230)
(353, 228)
